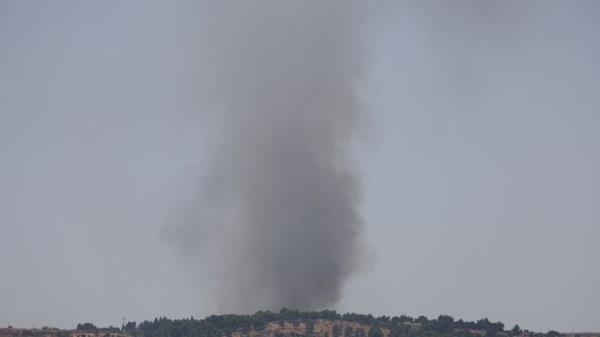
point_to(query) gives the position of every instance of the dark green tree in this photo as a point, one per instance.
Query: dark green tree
(86, 327)
(375, 332)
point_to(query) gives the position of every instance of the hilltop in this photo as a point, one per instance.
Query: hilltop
(292, 323)
(327, 323)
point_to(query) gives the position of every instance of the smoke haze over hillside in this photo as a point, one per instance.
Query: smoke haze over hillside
(177, 158)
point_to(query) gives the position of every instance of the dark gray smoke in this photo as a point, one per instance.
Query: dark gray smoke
(275, 222)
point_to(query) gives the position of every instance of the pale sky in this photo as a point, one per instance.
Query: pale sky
(480, 161)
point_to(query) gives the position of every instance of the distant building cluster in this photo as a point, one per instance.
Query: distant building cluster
(96, 334)
(53, 332)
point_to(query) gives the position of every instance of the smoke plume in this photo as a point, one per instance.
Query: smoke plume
(275, 222)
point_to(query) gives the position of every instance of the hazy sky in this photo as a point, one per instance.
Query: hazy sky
(480, 160)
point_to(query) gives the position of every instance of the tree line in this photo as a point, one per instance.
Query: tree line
(398, 326)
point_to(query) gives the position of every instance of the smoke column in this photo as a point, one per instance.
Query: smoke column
(275, 222)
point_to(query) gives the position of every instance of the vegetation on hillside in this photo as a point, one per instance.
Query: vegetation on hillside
(370, 326)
